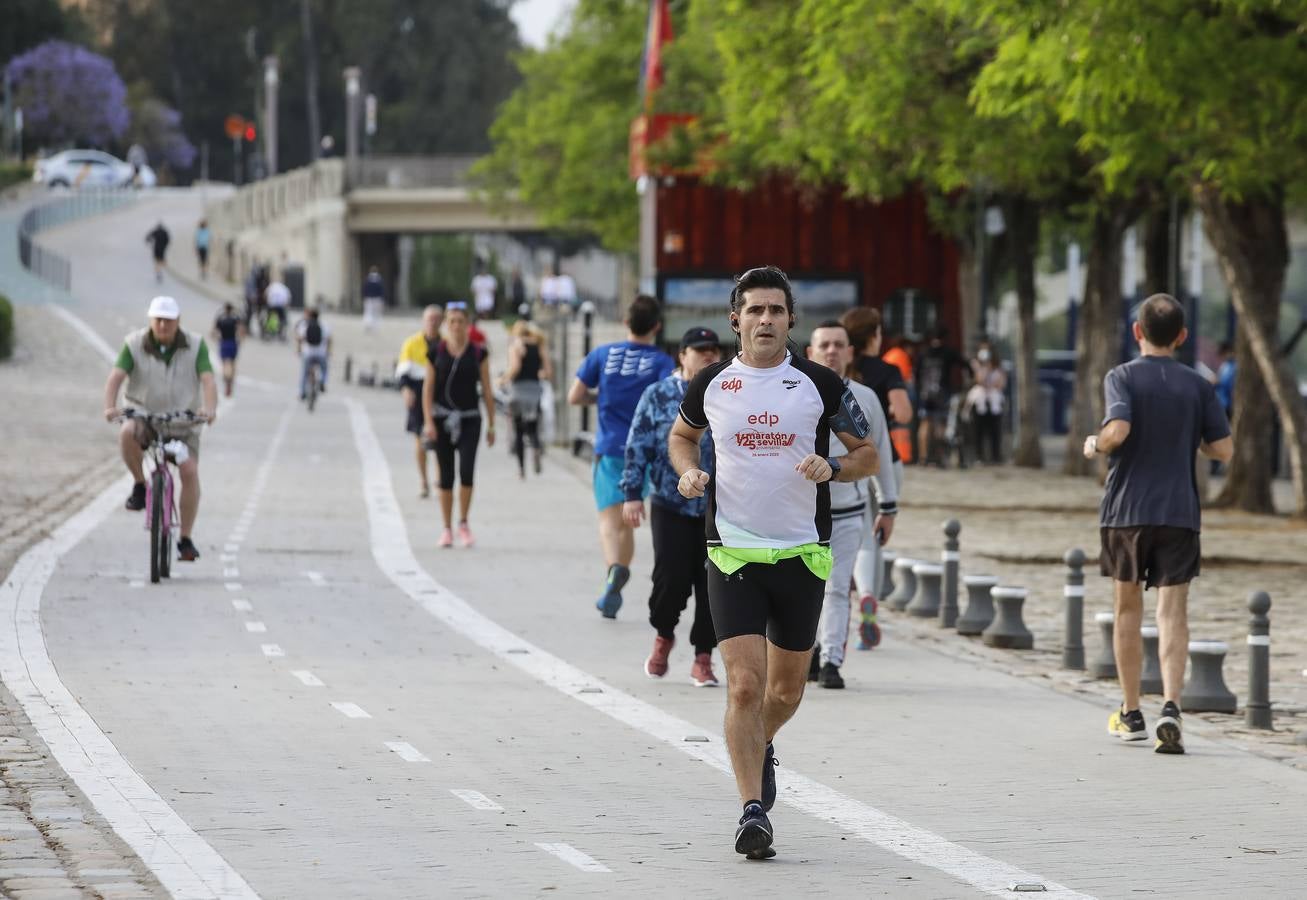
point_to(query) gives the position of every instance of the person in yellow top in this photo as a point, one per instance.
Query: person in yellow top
(410, 370)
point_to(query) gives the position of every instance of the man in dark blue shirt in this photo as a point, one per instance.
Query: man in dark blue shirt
(614, 376)
(1158, 414)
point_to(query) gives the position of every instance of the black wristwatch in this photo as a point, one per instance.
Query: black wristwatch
(834, 467)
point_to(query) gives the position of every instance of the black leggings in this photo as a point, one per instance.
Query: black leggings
(679, 557)
(468, 438)
(525, 431)
(781, 600)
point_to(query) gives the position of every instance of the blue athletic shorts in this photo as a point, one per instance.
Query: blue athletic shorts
(227, 349)
(608, 481)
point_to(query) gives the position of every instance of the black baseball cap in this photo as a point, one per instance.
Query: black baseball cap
(700, 337)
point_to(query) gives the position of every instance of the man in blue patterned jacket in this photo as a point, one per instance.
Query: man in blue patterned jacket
(680, 552)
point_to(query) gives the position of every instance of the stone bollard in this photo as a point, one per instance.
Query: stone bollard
(1150, 680)
(926, 604)
(887, 558)
(349, 368)
(1008, 630)
(1205, 691)
(905, 583)
(1073, 636)
(980, 605)
(1105, 665)
(948, 598)
(1257, 712)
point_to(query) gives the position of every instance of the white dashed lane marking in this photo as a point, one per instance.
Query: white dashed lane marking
(255, 627)
(316, 578)
(307, 678)
(574, 857)
(350, 710)
(406, 752)
(477, 800)
(234, 586)
(242, 605)
(272, 650)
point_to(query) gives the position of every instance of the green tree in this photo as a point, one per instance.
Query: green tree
(560, 140)
(1216, 94)
(31, 22)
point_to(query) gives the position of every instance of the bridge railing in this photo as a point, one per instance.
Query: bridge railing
(46, 264)
(413, 171)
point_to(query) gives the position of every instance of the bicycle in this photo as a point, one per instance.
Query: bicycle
(161, 517)
(312, 382)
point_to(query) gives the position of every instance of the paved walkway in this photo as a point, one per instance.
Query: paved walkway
(326, 704)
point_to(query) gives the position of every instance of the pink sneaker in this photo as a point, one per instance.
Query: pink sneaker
(465, 535)
(656, 665)
(446, 538)
(701, 672)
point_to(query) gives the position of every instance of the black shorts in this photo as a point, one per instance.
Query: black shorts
(781, 600)
(1157, 555)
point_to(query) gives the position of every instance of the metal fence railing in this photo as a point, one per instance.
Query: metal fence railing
(46, 264)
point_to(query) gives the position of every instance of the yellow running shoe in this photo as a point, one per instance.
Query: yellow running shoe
(1128, 726)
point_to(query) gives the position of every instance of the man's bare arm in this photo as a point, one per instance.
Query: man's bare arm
(1221, 451)
(580, 395)
(1109, 439)
(862, 459)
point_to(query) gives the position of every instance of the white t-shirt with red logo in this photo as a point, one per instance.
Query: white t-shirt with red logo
(764, 422)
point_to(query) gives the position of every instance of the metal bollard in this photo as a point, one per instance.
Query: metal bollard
(926, 604)
(948, 601)
(1205, 691)
(980, 605)
(1008, 630)
(349, 368)
(906, 583)
(1073, 637)
(1150, 680)
(1105, 665)
(887, 558)
(1257, 713)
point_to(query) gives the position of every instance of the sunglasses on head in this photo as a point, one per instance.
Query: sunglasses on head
(457, 304)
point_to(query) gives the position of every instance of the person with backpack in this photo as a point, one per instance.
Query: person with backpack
(313, 343)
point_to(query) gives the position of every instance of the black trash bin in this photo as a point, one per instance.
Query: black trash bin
(293, 277)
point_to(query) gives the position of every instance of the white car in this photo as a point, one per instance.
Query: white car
(90, 168)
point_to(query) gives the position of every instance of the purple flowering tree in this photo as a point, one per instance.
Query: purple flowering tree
(69, 95)
(157, 127)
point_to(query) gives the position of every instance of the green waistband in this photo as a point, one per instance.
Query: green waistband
(730, 560)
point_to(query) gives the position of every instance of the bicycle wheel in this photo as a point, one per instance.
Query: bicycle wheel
(313, 386)
(165, 552)
(156, 528)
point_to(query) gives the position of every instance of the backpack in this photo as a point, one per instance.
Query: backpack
(313, 333)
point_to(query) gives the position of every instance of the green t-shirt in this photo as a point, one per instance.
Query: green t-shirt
(202, 363)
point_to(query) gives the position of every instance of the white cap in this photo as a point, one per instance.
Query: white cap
(164, 308)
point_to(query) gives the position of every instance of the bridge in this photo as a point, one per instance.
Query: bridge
(334, 222)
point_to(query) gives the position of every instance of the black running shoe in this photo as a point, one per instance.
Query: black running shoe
(769, 765)
(187, 551)
(753, 838)
(1128, 726)
(137, 498)
(830, 677)
(1169, 737)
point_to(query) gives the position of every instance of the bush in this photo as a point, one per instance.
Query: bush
(6, 327)
(14, 173)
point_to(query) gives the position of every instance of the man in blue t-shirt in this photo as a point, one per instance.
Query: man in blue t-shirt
(614, 376)
(1158, 414)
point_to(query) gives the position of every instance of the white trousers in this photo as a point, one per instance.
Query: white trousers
(372, 307)
(845, 539)
(867, 571)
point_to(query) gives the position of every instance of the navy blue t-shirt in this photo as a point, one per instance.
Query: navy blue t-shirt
(621, 372)
(1171, 410)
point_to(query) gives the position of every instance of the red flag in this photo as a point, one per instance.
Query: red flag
(657, 35)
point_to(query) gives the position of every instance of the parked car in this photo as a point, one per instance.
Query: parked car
(90, 168)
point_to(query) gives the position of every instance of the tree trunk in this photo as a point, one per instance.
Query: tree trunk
(1022, 217)
(1098, 335)
(1252, 248)
(1161, 250)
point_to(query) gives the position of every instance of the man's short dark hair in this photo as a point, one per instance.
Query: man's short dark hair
(644, 315)
(1161, 318)
(762, 277)
(832, 323)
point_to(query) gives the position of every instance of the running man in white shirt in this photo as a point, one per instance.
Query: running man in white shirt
(484, 288)
(768, 521)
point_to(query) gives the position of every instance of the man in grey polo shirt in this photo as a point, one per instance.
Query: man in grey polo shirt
(1158, 413)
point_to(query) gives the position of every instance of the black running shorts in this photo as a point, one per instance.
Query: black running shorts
(781, 600)
(1157, 555)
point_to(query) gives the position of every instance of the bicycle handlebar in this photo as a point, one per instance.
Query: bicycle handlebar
(181, 415)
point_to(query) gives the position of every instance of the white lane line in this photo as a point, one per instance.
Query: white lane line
(394, 556)
(406, 752)
(184, 863)
(88, 333)
(231, 573)
(232, 548)
(272, 650)
(227, 557)
(477, 800)
(572, 856)
(242, 605)
(307, 678)
(234, 586)
(136, 583)
(255, 627)
(350, 710)
(316, 578)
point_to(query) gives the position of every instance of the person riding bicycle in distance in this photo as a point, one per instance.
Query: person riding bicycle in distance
(165, 369)
(313, 344)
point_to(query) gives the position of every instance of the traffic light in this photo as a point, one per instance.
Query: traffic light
(250, 133)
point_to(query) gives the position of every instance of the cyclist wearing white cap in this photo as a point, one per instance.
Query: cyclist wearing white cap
(165, 370)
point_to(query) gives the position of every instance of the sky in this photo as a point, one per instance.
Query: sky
(536, 18)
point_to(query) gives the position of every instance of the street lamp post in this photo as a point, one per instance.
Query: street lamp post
(352, 78)
(271, 79)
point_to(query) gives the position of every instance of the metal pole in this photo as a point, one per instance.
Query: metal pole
(948, 606)
(271, 79)
(236, 160)
(587, 344)
(1257, 713)
(352, 77)
(1073, 640)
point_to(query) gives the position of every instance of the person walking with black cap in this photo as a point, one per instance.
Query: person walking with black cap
(677, 522)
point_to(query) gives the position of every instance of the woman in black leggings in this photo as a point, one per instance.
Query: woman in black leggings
(528, 369)
(451, 412)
